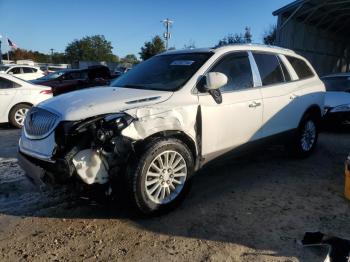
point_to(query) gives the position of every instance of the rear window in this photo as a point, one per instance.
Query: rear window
(301, 68)
(340, 84)
(27, 70)
(269, 68)
(6, 84)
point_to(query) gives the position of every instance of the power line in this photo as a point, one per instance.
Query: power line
(167, 35)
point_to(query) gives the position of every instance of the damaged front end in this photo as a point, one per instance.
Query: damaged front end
(93, 149)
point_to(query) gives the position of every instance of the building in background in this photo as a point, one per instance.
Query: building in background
(318, 30)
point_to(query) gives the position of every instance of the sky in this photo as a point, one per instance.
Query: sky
(43, 24)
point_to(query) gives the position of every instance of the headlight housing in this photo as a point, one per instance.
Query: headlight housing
(341, 108)
(112, 125)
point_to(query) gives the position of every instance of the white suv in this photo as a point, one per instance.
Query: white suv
(22, 71)
(171, 115)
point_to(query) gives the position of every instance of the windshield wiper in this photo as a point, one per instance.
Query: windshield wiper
(134, 86)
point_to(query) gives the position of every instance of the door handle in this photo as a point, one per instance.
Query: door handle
(254, 104)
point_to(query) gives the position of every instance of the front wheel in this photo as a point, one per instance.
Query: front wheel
(160, 178)
(306, 136)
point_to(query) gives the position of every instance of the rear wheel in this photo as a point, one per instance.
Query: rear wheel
(306, 136)
(18, 114)
(160, 178)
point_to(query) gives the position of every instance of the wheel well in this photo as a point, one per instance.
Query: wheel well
(24, 103)
(314, 110)
(172, 134)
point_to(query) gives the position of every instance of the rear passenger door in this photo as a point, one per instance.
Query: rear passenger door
(280, 95)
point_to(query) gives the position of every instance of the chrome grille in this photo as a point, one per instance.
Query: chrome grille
(39, 123)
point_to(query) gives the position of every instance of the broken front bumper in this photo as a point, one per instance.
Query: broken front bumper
(33, 172)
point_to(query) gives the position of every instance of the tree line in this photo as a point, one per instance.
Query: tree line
(97, 48)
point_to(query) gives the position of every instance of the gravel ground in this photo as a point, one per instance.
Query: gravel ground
(253, 208)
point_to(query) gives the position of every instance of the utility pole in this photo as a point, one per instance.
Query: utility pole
(51, 49)
(167, 23)
(0, 51)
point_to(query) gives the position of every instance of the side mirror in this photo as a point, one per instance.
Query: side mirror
(10, 73)
(215, 80)
(211, 81)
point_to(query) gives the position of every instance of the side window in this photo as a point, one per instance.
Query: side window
(15, 71)
(236, 67)
(5, 83)
(75, 75)
(27, 70)
(269, 68)
(286, 74)
(301, 68)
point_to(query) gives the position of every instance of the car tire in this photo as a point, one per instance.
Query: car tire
(305, 138)
(17, 115)
(159, 178)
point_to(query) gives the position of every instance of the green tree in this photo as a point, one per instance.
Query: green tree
(154, 47)
(190, 45)
(247, 35)
(269, 37)
(90, 48)
(236, 38)
(130, 59)
(59, 58)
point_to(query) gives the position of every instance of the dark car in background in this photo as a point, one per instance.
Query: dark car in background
(337, 99)
(67, 80)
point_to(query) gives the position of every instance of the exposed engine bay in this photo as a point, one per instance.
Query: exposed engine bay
(94, 147)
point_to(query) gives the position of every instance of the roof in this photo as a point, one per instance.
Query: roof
(232, 47)
(19, 65)
(330, 15)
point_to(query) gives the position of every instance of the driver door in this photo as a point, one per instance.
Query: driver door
(238, 119)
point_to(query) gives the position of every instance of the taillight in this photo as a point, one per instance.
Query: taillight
(46, 91)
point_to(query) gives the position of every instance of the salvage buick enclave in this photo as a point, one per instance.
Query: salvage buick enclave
(171, 115)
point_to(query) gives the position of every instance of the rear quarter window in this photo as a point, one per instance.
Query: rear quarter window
(301, 68)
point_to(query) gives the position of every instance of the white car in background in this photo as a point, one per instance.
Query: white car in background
(337, 101)
(22, 71)
(17, 97)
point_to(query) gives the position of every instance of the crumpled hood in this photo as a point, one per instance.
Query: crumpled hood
(91, 102)
(334, 99)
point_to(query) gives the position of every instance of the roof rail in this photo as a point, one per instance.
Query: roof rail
(258, 45)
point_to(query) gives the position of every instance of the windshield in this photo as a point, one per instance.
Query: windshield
(340, 84)
(4, 68)
(164, 72)
(53, 75)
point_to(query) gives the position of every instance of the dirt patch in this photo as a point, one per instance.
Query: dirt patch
(248, 209)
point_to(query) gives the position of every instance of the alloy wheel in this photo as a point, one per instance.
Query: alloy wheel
(308, 136)
(20, 115)
(165, 177)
